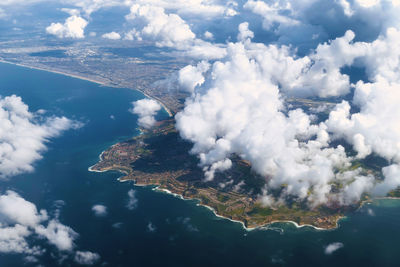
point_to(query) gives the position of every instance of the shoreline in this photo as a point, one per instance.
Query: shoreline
(248, 229)
(56, 72)
(86, 79)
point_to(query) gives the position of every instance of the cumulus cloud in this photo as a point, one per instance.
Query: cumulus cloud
(205, 9)
(90, 6)
(241, 112)
(22, 224)
(271, 13)
(99, 210)
(238, 107)
(132, 200)
(59, 235)
(165, 29)
(208, 35)
(20, 221)
(146, 109)
(23, 136)
(244, 32)
(73, 27)
(86, 257)
(333, 247)
(192, 76)
(112, 36)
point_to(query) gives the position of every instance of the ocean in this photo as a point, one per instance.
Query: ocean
(161, 230)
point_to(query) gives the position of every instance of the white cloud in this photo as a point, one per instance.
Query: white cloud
(208, 35)
(237, 107)
(367, 3)
(151, 227)
(391, 174)
(244, 32)
(99, 210)
(60, 235)
(146, 109)
(15, 209)
(73, 27)
(271, 13)
(112, 36)
(165, 29)
(190, 76)
(22, 137)
(333, 247)
(199, 8)
(20, 221)
(90, 6)
(132, 200)
(86, 257)
(239, 111)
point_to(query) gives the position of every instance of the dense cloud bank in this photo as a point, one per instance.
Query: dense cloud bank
(238, 107)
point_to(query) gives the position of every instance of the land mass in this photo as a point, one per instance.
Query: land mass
(160, 157)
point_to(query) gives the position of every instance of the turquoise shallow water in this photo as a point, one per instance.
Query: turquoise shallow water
(185, 234)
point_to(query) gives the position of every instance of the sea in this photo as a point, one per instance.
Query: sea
(161, 229)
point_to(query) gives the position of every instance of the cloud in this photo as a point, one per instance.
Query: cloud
(165, 29)
(208, 35)
(204, 9)
(132, 200)
(391, 174)
(189, 77)
(22, 224)
(333, 247)
(73, 27)
(99, 210)
(146, 109)
(244, 32)
(90, 6)
(20, 221)
(238, 108)
(23, 135)
(151, 227)
(19, 2)
(86, 257)
(112, 36)
(271, 13)
(154, 23)
(60, 235)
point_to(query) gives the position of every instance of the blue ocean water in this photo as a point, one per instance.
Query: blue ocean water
(181, 233)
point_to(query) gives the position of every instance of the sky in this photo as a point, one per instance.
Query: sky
(248, 58)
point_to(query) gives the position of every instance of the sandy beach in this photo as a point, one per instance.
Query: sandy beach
(85, 79)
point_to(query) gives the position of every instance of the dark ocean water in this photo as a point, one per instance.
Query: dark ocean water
(184, 234)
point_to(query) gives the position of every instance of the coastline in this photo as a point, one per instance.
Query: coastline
(86, 79)
(248, 229)
(56, 72)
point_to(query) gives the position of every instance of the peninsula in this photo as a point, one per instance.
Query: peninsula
(160, 157)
